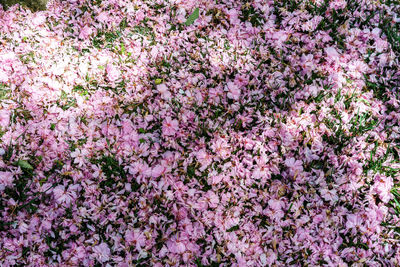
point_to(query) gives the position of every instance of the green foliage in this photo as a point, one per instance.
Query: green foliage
(192, 17)
(249, 13)
(362, 123)
(4, 92)
(395, 203)
(24, 164)
(105, 39)
(80, 90)
(390, 28)
(34, 5)
(65, 102)
(233, 228)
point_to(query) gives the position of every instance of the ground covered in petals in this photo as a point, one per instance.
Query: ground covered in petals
(200, 133)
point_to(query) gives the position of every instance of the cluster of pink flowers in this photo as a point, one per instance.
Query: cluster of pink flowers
(265, 133)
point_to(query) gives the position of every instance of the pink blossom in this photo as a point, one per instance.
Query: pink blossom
(329, 195)
(353, 220)
(38, 20)
(267, 259)
(85, 32)
(295, 166)
(102, 252)
(103, 17)
(79, 156)
(233, 91)
(163, 90)
(257, 146)
(136, 238)
(4, 118)
(204, 159)
(139, 16)
(63, 196)
(3, 76)
(332, 53)
(113, 73)
(6, 178)
(157, 171)
(233, 16)
(338, 4)
(170, 126)
(221, 148)
(382, 186)
(176, 246)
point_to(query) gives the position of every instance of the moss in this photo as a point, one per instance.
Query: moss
(34, 5)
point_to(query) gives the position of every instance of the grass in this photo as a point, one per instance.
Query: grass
(395, 203)
(4, 92)
(391, 30)
(360, 124)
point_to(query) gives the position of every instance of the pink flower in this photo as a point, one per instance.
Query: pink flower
(6, 178)
(176, 246)
(233, 91)
(213, 199)
(3, 77)
(233, 16)
(221, 148)
(280, 36)
(353, 221)
(102, 252)
(157, 171)
(309, 155)
(139, 16)
(103, 17)
(136, 238)
(204, 159)
(274, 210)
(4, 118)
(329, 195)
(62, 196)
(267, 259)
(79, 156)
(337, 4)
(39, 19)
(332, 53)
(85, 32)
(295, 166)
(357, 68)
(113, 73)
(163, 90)
(80, 252)
(382, 186)
(307, 62)
(170, 127)
(275, 204)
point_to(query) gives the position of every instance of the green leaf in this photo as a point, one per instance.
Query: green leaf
(195, 15)
(24, 164)
(9, 152)
(191, 171)
(233, 228)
